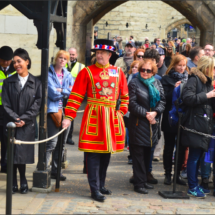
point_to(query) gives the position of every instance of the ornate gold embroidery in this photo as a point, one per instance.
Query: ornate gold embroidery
(105, 91)
(104, 75)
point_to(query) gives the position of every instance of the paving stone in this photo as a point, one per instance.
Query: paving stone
(203, 211)
(185, 211)
(207, 206)
(147, 211)
(190, 202)
(172, 200)
(164, 212)
(160, 203)
(155, 207)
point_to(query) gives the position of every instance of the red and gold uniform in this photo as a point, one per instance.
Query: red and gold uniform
(102, 128)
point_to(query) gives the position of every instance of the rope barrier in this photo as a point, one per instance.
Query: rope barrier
(37, 142)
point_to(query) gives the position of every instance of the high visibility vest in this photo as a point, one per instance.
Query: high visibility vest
(2, 78)
(76, 69)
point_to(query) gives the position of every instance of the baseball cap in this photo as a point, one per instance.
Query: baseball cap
(131, 43)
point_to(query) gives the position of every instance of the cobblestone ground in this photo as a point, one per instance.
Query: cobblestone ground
(74, 195)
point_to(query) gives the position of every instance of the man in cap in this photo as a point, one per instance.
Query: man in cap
(6, 70)
(161, 64)
(102, 130)
(125, 62)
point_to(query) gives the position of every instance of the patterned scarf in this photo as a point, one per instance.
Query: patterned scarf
(154, 95)
(183, 77)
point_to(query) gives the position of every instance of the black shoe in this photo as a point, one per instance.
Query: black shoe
(131, 180)
(84, 170)
(167, 180)
(130, 161)
(62, 177)
(141, 190)
(204, 183)
(70, 141)
(24, 189)
(151, 179)
(180, 181)
(105, 191)
(96, 195)
(14, 189)
(147, 186)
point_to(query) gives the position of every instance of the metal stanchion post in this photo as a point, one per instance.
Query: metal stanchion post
(57, 185)
(175, 194)
(10, 155)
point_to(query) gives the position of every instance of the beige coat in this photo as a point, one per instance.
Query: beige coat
(121, 63)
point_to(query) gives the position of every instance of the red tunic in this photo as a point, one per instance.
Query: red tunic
(102, 129)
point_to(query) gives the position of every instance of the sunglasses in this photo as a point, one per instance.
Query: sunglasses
(146, 70)
(140, 56)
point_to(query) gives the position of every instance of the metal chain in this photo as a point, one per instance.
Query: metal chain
(196, 132)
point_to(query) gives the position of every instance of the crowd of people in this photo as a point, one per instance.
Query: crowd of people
(154, 83)
(176, 64)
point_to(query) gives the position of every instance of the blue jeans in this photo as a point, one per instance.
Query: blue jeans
(151, 158)
(193, 162)
(205, 168)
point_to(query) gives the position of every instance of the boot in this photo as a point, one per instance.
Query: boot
(180, 181)
(167, 179)
(151, 179)
(204, 183)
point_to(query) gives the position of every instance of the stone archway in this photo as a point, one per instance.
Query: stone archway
(176, 24)
(200, 14)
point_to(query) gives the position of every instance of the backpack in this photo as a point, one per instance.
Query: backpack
(177, 105)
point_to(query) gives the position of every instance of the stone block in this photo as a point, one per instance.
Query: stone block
(16, 24)
(164, 212)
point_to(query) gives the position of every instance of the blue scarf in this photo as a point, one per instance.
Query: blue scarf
(154, 95)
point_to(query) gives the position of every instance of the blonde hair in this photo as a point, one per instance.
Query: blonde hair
(175, 60)
(172, 43)
(61, 52)
(132, 65)
(204, 63)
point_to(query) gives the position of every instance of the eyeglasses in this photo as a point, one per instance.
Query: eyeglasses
(140, 56)
(146, 70)
(208, 50)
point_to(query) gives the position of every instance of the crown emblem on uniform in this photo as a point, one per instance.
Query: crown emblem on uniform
(104, 75)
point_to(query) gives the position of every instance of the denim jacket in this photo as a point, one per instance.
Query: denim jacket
(53, 83)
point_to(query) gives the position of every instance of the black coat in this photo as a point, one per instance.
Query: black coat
(199, 113)
(141, 132)
(23, 104)
(168, 83)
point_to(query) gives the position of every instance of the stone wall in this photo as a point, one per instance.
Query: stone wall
(137, 14)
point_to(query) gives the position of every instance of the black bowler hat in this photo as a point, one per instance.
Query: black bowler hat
(6, 53)
(103, 44)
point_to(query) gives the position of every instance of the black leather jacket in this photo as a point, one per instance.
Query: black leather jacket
(141, 132)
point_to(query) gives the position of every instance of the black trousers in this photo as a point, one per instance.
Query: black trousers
(97, 164)
(141, 160)
(3, 140)
(169, 144)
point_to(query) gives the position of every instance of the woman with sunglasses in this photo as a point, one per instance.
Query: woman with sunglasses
(174, 76)
(139, 54)
(146, 103)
